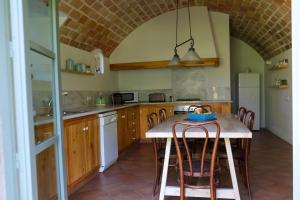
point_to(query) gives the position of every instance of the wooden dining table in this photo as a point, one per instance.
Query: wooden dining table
(231, 127)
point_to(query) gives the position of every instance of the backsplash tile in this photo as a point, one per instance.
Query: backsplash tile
(74, 99)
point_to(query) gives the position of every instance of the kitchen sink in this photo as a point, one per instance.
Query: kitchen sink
(74, 112)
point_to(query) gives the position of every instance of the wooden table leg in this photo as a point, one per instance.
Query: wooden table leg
(232, 169)
(165, 170)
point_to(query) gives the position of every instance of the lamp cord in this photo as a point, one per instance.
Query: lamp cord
(190, 20)
(177, 2)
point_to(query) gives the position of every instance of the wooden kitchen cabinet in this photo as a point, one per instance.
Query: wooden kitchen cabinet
(148, 109)
(81, 149)
(221, 108)
(93, 144)
(45, 164)
(123, 138)
(128, 127)
(133, 124)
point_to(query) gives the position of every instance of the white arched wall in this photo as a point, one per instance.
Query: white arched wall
(243, 57)
(154, 40)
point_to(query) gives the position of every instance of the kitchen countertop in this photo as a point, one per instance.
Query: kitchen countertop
(85, 111)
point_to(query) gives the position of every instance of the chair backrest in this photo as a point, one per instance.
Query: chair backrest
(162, 114)
(248, 119)
(206, 107)
(152, 119)
(241, 113)
(186, 126)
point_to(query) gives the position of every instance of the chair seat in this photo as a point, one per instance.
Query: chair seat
(198, 180)
(197, 168)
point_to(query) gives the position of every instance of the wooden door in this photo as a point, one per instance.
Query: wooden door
(45, 164)
(122, 129)
(92, 143)
(143, 121)
(170, 111)
(75, 150)
(132, 124)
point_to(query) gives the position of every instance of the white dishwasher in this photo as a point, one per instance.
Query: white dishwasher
(108, 139)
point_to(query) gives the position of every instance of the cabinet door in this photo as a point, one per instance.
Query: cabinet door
(170, 111)
(216, 107)
(75, 150)
(226, 108)
(45, 165)
(122, 129)
(92, 144)
(136, 132)
(143, 121)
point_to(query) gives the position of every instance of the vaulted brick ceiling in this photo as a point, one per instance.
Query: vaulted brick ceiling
(263, 24)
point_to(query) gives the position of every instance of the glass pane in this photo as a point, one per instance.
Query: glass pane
(42, 92)
(46, 174)
(40, 22)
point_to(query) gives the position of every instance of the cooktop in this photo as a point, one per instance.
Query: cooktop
(189, 99)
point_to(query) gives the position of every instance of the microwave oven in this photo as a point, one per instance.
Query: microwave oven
(125, 97)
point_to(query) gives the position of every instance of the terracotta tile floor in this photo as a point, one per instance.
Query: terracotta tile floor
(131, 178)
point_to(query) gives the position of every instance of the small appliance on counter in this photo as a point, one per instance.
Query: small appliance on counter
(124, 97)
(157, 97)
(116, 99)
(100, 101)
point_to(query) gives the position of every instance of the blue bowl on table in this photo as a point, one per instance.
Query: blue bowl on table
(201, 117)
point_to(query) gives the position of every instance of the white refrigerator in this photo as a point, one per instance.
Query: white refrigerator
(249, 95)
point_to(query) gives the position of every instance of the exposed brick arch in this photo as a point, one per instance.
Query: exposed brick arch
(263, 24)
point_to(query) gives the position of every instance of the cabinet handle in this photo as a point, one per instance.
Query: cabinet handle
(123, 116)
(85, 129)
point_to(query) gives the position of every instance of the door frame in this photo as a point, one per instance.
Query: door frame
(296, 96)
(25, 139)
(8, 168)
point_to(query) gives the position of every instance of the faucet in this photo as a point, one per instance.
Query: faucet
(50, 103)
(50, 107)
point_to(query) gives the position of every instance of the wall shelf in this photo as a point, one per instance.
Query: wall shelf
(280, 86)
(204, 62)
(279, 66)
(78, 73)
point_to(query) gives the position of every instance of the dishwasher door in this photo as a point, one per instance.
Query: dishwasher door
(108, 139)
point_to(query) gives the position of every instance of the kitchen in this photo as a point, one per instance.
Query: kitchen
(114, 72)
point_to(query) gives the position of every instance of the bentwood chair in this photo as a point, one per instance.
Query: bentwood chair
(201, 172)
(241, 113)
(241, 151)
(193, 142)
(159, 148)
(162, 113)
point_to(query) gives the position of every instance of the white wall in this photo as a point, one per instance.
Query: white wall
(155, 40)
(279, 117)
(243, 58)
(106, 82)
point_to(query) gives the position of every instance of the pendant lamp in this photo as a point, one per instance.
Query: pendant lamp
(191, 55)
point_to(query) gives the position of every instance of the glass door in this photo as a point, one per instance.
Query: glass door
(35, 24)
(43, 64)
